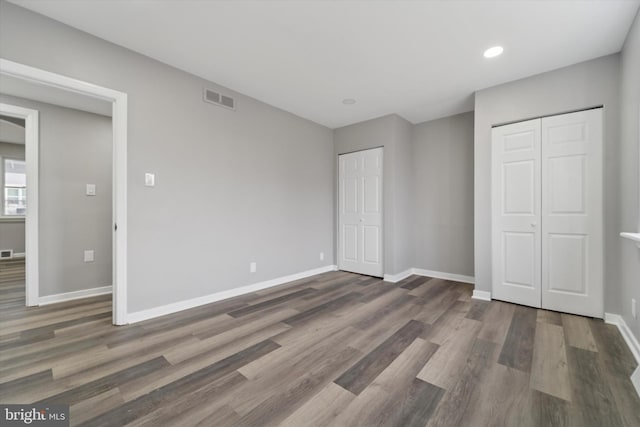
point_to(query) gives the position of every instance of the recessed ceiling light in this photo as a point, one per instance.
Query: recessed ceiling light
(348, 101)
(492, 52)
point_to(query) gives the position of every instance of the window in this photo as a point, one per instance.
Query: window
(14, 195)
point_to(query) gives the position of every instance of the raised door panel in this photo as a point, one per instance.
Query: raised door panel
(350, 243)
(518, 188)
(350, 195)
(372, 203)
(567, 185)
(371, 244)
(568, 263)
(519, 256)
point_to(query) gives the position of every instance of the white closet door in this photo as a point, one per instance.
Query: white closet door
(516, 250)
(572, 217)
(360, 212)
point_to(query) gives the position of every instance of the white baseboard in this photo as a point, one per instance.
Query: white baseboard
(151, 313)
(629, 338)
(395, 278)
(481, 295)
(19, 255)
(446, 276)
(632, 343)
(69, 296)
(635, 380)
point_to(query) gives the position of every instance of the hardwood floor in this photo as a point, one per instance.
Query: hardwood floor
(335, 349)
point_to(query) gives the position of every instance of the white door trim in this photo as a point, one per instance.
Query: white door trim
(119, 118)
(31, 218)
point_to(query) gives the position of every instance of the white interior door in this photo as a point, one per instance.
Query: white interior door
(547, 235)
(572, 217)
(516, 199)
(360, 212)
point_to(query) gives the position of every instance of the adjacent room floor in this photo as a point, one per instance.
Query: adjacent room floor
(335, 349)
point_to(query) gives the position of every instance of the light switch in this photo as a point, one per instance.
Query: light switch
(91, 189)
(88, 256)
(149, 179)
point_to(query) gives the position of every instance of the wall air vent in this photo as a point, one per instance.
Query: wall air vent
(213, 97)
(6, 253)
(227, 101)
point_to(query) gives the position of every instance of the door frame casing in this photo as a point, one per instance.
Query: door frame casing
(119, 123)
(31, 130)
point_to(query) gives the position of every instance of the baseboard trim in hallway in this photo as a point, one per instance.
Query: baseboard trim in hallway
(70, 296)
(163, 310)
(481, 295)
(394, 278)
(632, 343)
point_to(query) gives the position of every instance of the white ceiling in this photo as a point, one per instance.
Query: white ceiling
(420, 59)
(52, 95)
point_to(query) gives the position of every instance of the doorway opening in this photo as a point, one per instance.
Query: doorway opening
(12, 209)
(34, 253)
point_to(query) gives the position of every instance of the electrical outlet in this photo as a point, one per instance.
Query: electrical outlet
(252, 267)
(321, 256)
(88, 256)
(633, 308)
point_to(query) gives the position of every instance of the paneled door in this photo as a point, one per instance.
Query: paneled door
(360, 212)
(572, 213)
(516, 199)
(547, 226)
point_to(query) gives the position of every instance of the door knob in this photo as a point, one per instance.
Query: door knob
(533, 224)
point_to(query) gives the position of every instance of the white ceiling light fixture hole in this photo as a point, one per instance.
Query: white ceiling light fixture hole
(494, 51)
(348, 101)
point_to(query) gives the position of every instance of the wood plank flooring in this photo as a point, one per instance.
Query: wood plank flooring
(337, 349)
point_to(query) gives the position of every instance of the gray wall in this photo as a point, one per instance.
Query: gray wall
(582, 85)
(257, 183)
(403, 198)
(394, 134)
(12, 229)
(443, 180)
(12, 235)
(8, 149)
(74, 150)
(629, 176)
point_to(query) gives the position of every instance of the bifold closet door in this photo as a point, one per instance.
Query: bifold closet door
(516, 199)
(572, 213)
(360, 212)
(547, 213)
